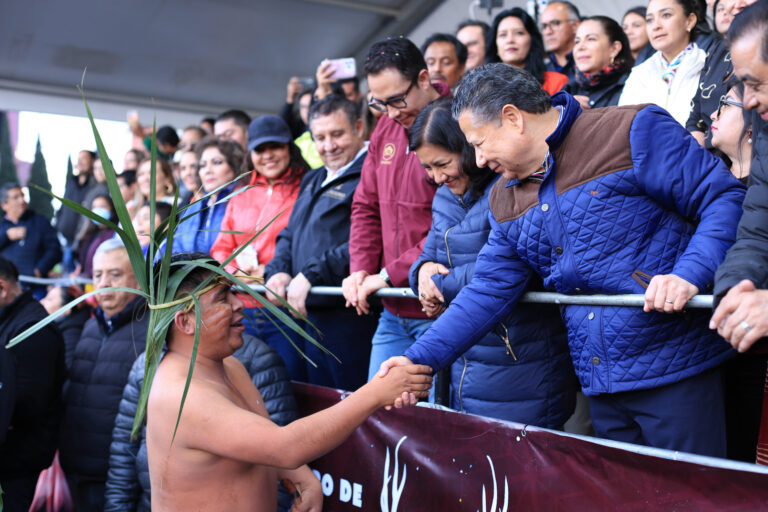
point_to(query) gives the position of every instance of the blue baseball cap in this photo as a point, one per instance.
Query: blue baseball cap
(268, 129)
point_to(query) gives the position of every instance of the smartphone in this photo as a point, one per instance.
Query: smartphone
(343, 68)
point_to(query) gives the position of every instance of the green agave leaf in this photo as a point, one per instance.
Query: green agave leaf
(82, 210)
(127, 234)
(66, 307)
(192, 359)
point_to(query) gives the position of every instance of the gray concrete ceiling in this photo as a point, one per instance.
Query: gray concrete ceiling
(194, 55)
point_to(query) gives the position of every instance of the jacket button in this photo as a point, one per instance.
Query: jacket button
(595, 361)
(559, 250)
(591, 316)
(545, 207)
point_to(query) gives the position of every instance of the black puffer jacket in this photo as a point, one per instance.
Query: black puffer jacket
(748, 258)
(102, 361)
(128, 478)
(37, 373)
(71, 327)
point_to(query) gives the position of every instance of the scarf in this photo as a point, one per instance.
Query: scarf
(670, 68)
(608, 75)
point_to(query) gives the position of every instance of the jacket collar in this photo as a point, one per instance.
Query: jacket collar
(571, 110)
(111, 324)
(7, 311)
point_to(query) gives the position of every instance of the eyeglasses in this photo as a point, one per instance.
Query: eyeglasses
(397, 102)
(554, 24)
(724, 102)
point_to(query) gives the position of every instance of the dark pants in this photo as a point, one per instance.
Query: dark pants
(18, 493)
(688, 416)
(744, 383)
(348, 337)
(259, 323)
(87, 493)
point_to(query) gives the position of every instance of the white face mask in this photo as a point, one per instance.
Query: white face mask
(102, 212)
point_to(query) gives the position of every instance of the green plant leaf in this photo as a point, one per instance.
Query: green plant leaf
(66, 307)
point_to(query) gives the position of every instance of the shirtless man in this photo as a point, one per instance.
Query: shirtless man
(227, 455)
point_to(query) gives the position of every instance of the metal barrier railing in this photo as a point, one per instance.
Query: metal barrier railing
(626, 300)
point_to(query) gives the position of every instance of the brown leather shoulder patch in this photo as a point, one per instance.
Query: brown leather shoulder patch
(597, 144)
(511, 203)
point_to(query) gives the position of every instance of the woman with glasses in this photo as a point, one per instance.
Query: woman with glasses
(514, 39)
(603, 62)
(521, 370)
(217, 163)
(732, 131)
(670, 77)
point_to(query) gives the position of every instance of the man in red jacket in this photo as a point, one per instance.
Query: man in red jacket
(392, 206)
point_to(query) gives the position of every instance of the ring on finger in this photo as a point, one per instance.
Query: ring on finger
(744, 325)
(669, 301)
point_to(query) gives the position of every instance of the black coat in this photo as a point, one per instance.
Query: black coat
(100, 366)
(712, 85)
(38, 374)
(316, 240)
(128, 484)
(748, 258)
(71, 327)
(38, 250)
(601, 96)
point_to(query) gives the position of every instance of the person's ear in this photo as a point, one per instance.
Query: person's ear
(185, 322)
(359, 128)
(423, 80)
(512, 117)
(615, 49)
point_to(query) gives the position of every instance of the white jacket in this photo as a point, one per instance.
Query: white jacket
(645, 85)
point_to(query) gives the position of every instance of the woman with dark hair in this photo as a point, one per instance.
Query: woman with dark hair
(515, 39)
(189, 177)
(521, 370)
(732, 130)
(219, 161)
(670, 77)
(92, 233)
(722, 18)
(277, 168)
(603, 62)
(634, 26)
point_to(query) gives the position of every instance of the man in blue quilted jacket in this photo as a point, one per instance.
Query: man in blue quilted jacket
(610, 201)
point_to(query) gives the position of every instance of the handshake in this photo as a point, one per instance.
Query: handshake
(400, 383)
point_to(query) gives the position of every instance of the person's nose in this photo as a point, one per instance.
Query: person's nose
(237, 304)
(750, 98)
(480, 158)
(393, 112)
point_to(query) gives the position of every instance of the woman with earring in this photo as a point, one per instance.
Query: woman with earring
(633, 24)
(732, 131)
(603, 61)
(670, 77)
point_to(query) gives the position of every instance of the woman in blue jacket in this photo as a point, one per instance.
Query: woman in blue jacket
(219, 162)
(521, 371)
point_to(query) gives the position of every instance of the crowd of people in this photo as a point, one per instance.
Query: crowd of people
(583, 155)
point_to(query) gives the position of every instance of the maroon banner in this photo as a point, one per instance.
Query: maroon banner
(421, 459)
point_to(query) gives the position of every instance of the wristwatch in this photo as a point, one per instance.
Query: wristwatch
(385, 276)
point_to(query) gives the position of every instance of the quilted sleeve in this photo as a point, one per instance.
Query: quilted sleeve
(677, 172)
(500, 280)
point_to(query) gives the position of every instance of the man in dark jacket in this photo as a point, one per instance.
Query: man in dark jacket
(742, 316)
(108, 346)
(128, 486)
(67, 219)
(392, 206)
(26, 238)
(602, 201)
(313, 249)
(32, 372)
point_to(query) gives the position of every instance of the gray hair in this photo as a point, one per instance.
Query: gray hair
(486, 89)
(7, 187)
(573, 11)
(113, 244)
